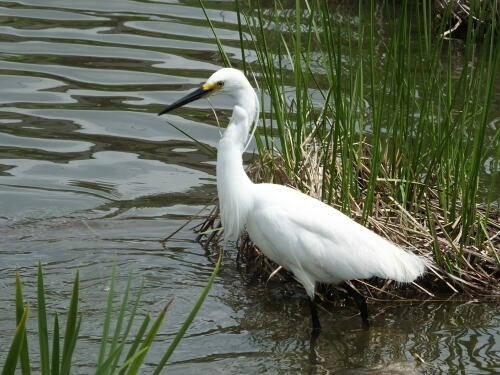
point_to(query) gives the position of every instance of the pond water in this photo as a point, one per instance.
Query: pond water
(91, 177)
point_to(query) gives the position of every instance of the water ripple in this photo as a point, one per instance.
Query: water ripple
(91, 177)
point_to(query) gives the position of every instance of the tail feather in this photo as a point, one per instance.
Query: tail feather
(405, 267)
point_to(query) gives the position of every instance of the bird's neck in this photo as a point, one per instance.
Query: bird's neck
(233, 185)
(245, 109)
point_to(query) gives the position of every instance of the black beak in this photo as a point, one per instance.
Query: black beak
(191, 97)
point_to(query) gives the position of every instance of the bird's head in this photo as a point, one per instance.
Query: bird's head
(227, 80)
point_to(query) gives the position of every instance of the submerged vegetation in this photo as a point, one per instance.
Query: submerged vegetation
(120, 352)
(380, 116)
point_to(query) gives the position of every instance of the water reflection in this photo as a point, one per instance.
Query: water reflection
(428, 337)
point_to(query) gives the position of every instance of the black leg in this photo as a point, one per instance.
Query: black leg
(360, 302)
(316, 326)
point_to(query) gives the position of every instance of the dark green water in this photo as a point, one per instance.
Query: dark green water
(91, 177)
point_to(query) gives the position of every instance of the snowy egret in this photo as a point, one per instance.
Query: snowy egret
(314, 241)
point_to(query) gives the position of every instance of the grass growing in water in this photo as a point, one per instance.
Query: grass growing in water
(57, 357)
(377, 115)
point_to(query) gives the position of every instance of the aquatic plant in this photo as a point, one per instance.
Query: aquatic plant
(379, 115)
(57, 356)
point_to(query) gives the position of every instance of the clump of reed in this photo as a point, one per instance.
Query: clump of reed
(465, 11)
(376, 114)
(57, 355)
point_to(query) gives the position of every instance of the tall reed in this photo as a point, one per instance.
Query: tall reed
(396, 116)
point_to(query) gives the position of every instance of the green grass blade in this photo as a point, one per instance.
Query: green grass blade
(135, 344)
(72, 328)
(25, 359)
(107, 319)
(202, 145)
(136, 364)
(225, 59)
(130, 321)
(13, 355)
(189, 319)
(72, 343)
(240, 32)
(121, 315)
(139, 354)
(43, 336)
(107, 365)
(55, 347)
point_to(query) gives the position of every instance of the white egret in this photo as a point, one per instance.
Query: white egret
(314, 241)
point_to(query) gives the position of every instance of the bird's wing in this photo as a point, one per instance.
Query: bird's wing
(304, 234)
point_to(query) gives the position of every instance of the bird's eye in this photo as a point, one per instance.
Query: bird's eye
(220, 83)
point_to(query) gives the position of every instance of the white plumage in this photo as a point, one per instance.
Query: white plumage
(314, 241)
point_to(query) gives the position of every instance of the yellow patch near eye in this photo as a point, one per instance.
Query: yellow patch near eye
(210, 86)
